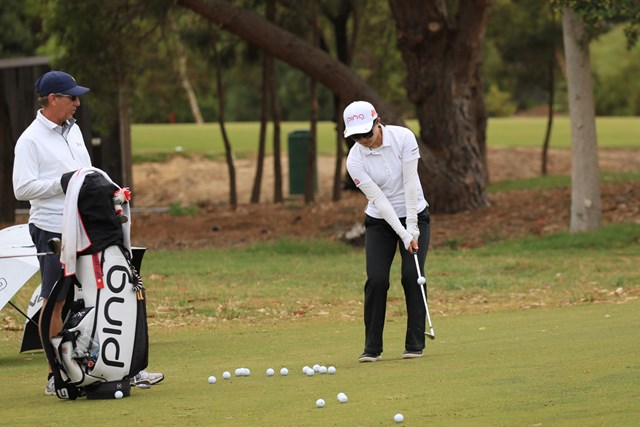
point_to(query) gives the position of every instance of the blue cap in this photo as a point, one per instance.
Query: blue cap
(59, 82)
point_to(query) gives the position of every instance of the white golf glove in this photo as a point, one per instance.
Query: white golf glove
(412, 228)
(407, 238)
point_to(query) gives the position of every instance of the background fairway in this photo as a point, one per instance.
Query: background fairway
(151, 140)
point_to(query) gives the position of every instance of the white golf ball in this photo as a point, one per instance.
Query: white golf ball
(246, 372)
(310, 372)
(421, 280)
(320, 403)
(212, 379)
(226, 375)
(118, 394)
(284, 371)
(342, 398)
(323, 369)
(331, 370)
(316, 368)
(304, 370)
(239, 372)
(270, 372)
(398, 418)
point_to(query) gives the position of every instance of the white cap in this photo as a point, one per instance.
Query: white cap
(358, 118)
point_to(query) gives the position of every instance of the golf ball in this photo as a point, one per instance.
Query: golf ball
(421, 280)
(310, 372)
(284, 371)
(323, 369)
(331, 370)
(246, 372)
(342, 398)
(239, 372)
(118, 394)
(226, 375)
(270, 372)
(212, 379)
(398, 418)
(316, 368)
(320, 403)
(304, 370)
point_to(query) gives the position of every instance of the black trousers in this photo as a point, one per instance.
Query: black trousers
(381, 244)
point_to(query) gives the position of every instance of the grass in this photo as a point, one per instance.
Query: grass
(157, 141)
(558, 181)
(529, 332)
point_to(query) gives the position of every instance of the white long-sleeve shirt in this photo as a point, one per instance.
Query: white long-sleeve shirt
(388, 176)
(43, 153)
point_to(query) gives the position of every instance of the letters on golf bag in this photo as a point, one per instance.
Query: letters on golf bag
(104, 339)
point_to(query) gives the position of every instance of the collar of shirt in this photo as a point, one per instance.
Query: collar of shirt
(62, 130)
(375, 151)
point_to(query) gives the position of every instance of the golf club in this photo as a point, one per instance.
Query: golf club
(54, 245)
(423, 281)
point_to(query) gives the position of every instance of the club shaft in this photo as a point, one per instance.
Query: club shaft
(431, 334)
(26, 255)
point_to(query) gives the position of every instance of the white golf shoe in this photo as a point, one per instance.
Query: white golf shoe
(146, 379)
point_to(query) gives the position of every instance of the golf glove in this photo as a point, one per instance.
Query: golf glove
(407, 238)
(412, 228)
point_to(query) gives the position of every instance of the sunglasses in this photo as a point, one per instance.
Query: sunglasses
(367, 135)
(73, 98)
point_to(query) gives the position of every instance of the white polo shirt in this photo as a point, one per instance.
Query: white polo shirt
(44, 152)
(383, 166)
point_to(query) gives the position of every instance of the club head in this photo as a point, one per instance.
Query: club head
(429, 335)
(54, 245)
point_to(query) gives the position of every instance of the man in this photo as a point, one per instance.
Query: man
(51, 146)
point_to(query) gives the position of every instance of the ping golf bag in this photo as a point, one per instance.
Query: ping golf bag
(104, 339)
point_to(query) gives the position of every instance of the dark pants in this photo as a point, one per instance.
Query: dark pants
(381, 244)
(50, 267)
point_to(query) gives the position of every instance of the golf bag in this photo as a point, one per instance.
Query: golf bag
(104, 339)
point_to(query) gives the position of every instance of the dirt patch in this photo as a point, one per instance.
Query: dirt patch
(204, 183)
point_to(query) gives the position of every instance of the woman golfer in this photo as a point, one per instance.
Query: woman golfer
(384, 166)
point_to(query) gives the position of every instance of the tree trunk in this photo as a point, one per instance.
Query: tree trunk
(310, 172)
(8, 205)
(125, 136)
(278, 196)
(181, 62)
(291, 49)
(547, 135)
(264, 105)
(233, 192)
(444, 83)
(586, 209)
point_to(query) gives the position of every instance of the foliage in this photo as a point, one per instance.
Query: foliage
(499, 103)
(20, 28)
(600, 15)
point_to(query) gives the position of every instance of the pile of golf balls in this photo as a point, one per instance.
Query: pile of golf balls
(242, 372)
(398, 418)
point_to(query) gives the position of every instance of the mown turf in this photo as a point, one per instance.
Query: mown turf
(564, 366)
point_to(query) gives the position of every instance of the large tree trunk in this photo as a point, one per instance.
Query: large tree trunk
(444, 83)
(443, 65)
(586, 209)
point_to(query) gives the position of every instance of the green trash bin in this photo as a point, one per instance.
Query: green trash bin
(298, 144)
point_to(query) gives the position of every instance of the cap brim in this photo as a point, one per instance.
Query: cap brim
(76, 91)
(354, 130)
